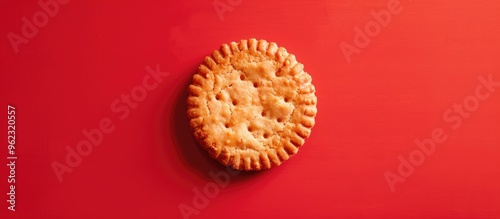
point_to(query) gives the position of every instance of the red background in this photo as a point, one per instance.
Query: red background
(369, 111)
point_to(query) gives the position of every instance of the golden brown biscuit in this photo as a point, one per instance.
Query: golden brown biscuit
(251, 105)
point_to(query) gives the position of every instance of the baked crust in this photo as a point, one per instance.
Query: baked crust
(251, 105)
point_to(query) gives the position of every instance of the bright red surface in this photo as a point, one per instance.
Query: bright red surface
(370, 111)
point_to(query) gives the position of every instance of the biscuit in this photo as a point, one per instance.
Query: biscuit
(251, 105)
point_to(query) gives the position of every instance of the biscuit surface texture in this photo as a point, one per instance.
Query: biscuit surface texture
(251, 105)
